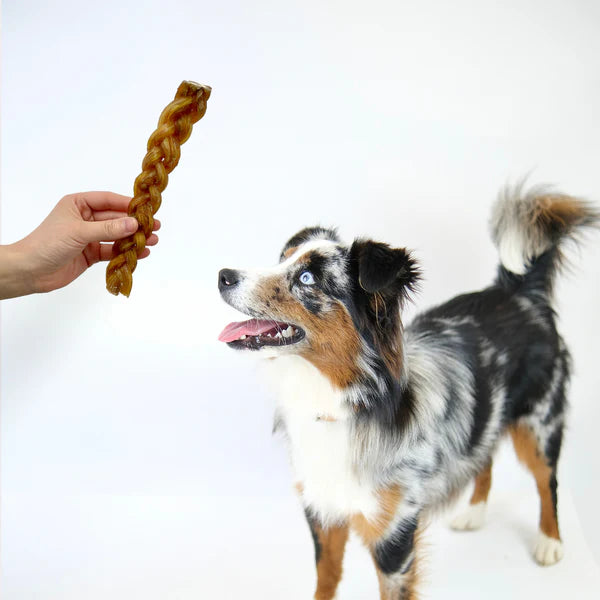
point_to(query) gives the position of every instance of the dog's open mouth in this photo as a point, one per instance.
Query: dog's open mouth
(258, 333)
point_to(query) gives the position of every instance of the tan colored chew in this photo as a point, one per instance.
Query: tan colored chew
(174, 128)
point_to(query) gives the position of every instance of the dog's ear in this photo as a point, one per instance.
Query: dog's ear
(382, 269)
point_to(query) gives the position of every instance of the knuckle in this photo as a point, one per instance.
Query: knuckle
(111, 228)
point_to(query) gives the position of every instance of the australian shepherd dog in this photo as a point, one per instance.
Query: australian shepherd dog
(385, 424)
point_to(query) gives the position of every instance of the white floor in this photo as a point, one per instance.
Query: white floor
(179, 548)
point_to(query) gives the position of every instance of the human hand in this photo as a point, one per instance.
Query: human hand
(69, 240)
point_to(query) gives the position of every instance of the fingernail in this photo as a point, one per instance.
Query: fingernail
(131, 224)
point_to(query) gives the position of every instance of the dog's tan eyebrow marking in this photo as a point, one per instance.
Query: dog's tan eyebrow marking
(289, 252)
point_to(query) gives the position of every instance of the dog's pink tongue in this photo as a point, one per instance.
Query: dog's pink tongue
(234, 331)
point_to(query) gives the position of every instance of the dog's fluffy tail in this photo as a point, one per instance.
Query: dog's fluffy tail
(530, 227)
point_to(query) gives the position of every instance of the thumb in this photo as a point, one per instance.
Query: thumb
(109, 231)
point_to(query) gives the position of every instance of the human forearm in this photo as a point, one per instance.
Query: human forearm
(15, 275)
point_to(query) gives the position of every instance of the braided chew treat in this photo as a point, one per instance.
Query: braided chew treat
(174, 128)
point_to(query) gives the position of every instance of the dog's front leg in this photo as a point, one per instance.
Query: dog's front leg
(330, 543)
(396, 562)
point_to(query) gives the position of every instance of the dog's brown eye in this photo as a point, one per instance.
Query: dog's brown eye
(306, 277)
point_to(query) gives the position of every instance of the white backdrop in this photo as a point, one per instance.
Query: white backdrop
(136, 455)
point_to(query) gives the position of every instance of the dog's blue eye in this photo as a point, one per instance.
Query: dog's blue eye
(306, 277)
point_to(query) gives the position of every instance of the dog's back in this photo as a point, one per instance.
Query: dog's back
(518, 363)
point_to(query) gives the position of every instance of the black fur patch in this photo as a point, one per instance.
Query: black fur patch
(553, 491)
(384, 269)
(552, 450)
(394, 554)
(312, 523)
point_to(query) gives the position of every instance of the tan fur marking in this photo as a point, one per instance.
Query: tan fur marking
(334, 344)
(527, 451)
(326, 418)
(564, 210)
(289, 252)
(329, 568)
(371, 531)
(483, 482)
(392, 354)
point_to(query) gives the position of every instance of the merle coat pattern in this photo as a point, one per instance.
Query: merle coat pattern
(386, 424)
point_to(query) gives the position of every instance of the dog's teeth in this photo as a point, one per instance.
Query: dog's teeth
(278, 334)
(242, 337)
(269, 335)
(289, 332)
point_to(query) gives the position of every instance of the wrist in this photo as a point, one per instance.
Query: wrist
(16, 276)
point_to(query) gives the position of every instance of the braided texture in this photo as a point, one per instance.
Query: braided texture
(174, 128)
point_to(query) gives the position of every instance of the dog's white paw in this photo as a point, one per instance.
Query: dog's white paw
(548, 551)
(473, 518)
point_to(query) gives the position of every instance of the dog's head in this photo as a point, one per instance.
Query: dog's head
(330, 303)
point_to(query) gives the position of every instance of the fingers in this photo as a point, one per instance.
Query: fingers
(152, 240)
(108, 205)
(106, 215)
(106, 250)
(103, 200)
(107, 231)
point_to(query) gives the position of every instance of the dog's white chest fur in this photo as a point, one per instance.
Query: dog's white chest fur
(321, 448)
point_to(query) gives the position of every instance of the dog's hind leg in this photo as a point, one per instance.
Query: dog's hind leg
(330, 544)
(474, 516)
(541, 460)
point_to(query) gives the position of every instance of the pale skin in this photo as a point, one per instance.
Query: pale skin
(78, 232)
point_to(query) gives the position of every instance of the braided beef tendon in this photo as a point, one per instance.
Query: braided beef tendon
(164, 150)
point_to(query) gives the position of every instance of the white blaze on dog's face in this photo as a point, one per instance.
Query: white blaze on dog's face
(310, 304)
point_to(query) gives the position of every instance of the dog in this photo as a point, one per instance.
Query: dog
(387, 424)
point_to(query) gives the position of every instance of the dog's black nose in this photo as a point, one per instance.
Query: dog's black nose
(228, 278)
